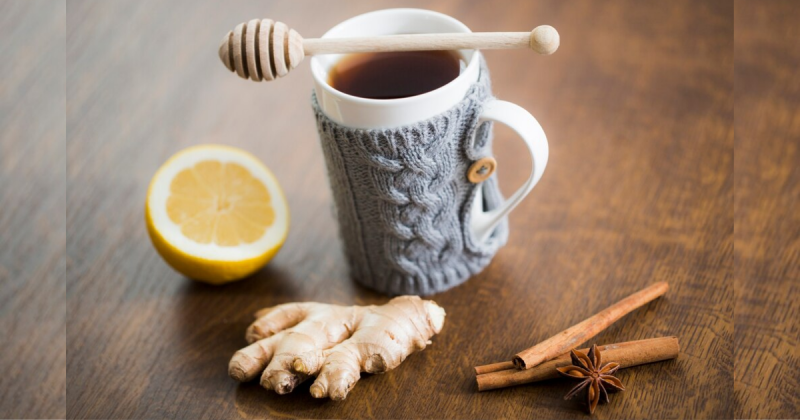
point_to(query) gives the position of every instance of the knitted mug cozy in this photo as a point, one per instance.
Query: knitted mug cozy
(402, 197)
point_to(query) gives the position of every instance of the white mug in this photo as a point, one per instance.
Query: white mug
(357, 112)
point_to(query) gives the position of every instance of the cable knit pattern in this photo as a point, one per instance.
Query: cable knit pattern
(403, 200)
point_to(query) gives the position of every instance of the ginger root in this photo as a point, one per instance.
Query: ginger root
(295, 341)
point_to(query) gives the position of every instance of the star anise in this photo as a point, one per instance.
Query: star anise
(598, 380)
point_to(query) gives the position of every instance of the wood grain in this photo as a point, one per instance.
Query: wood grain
(638, 108)
(767, 221)
(436, 42)
(32, 202)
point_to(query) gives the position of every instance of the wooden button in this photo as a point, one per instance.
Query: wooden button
(481, 170)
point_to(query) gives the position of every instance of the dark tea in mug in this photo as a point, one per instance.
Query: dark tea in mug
(393, 75)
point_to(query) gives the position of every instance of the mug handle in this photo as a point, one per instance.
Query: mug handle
(482, 223)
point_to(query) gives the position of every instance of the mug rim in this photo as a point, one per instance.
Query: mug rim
(316, 66)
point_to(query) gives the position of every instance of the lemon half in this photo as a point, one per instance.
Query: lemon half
(216, 213)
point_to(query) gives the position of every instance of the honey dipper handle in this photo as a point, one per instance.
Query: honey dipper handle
(262, 49)
(543, 39)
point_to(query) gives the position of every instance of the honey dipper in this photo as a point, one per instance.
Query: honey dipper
(250, 51)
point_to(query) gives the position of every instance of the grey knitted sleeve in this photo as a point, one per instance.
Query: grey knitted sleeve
(402, 197)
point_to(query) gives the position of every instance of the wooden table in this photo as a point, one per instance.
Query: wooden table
(638, 106)
(767, 220)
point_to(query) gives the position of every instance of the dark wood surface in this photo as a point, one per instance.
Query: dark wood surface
(32, 217)
(767, 219)
(638, 106)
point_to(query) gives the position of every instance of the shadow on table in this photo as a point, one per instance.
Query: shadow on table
(253, 401)
(214, 318)
(271, 281)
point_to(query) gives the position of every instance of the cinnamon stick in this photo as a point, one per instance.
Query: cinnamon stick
(631, 353)
(590, 327)
(494, 367)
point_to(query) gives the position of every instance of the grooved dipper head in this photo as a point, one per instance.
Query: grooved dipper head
(261, 50)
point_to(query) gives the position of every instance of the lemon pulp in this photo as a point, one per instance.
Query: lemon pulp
(220, 203)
